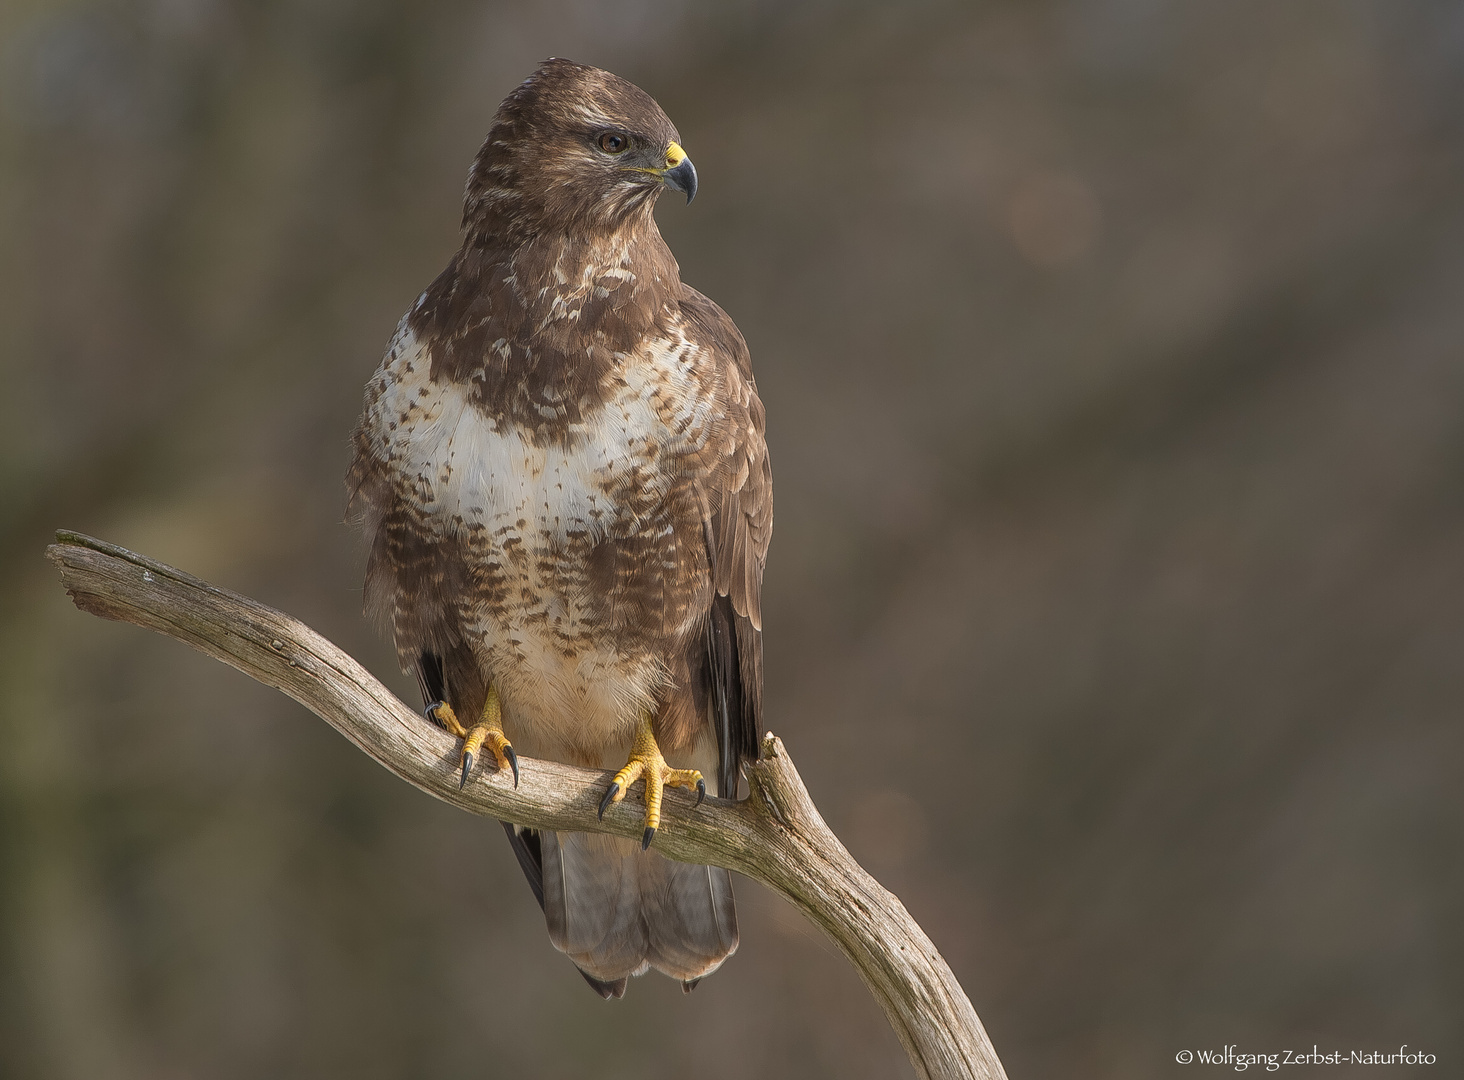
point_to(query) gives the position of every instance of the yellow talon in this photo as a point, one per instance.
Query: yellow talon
(488, 731)
(646, 761)
(442, 713)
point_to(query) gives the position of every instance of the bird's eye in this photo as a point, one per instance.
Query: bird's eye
(612, 142)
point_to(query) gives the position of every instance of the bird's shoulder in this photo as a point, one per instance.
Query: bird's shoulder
(711, 328)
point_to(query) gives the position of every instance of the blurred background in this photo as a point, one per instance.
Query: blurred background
(1112, 359)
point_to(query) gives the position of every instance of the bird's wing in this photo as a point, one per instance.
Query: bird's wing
(738, 523)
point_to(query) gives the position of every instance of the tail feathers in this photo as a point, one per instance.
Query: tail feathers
(691, 920)
(616, 910)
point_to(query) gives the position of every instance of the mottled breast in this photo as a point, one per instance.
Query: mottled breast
(585, 553)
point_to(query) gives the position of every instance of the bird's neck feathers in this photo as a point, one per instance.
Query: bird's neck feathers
(560, 262)
(593, 283)
(537, 329)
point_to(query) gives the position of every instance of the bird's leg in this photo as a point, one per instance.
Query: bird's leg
(646, 760)
(488, 730)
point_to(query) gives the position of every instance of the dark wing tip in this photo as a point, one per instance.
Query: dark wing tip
(606, 990)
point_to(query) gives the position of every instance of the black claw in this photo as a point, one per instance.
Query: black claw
(512, 762)
(609, 797)
(467, 764)
(431, 711)
(646, 839)
(701, 793)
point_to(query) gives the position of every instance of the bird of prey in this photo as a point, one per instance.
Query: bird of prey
(565, 487)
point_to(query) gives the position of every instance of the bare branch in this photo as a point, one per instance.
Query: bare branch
(776, 836)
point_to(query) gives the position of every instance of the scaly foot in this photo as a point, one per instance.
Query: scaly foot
(488, 731)
(646, 760)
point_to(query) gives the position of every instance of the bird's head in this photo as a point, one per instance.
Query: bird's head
(573, 148)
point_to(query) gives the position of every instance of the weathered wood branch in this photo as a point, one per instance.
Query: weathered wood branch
(776, 836)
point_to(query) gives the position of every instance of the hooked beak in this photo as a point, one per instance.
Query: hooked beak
(679, 173)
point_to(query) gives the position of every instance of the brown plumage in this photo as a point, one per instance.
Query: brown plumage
(562, 474)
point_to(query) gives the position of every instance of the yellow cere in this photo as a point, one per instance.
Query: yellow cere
(674, 156)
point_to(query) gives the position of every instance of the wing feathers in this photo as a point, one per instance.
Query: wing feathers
(739, 498)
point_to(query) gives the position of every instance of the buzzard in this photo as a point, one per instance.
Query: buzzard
(564, 482)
